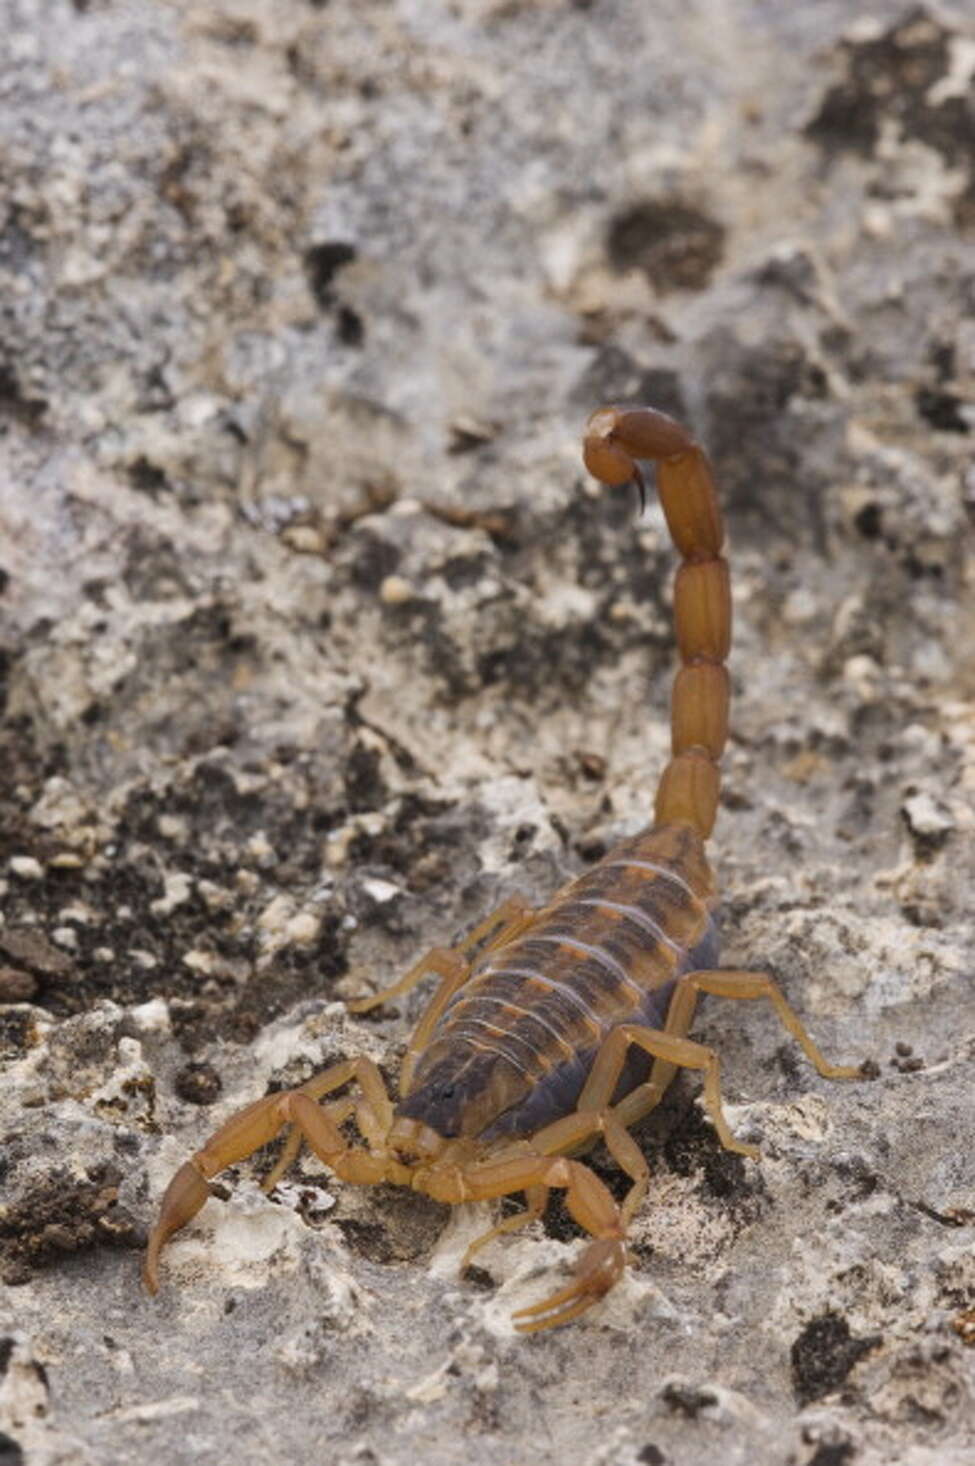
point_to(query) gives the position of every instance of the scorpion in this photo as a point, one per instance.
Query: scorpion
(555, 1028)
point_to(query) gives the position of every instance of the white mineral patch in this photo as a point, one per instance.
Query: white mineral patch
(177, 888)
(239, 1240)
(926, 816)
(380, 891)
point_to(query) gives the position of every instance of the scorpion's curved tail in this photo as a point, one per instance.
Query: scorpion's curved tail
(616, 437)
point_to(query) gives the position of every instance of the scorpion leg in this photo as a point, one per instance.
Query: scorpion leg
(572, 1133)
(505, 922)
(723, 984)
(645, 1097)
(444, 962)
(373, 1111)
(510, 917)
(675, 1051)
(588, 1200)
(453, 974)
(453, 971)
(641, 1100)
(537, 1200)
(581, 1129)
(736, 984)
(256, 1125)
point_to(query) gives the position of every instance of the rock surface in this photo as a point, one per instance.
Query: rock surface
(316, 644)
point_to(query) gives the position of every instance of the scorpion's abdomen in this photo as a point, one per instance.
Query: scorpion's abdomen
(607, 950)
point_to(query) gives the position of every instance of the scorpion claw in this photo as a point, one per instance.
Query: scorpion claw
(599, 1267)
(185, 1195)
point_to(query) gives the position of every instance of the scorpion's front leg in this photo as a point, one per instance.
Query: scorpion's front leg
(603, 1260)
(259, 1123)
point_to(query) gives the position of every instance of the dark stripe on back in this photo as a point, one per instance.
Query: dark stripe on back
(587, 965)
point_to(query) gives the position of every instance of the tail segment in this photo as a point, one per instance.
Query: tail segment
(616, 437)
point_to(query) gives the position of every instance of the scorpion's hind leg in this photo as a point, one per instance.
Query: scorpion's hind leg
(261, 1122)
(590, 1204)
(673, 1051)
(734, 984)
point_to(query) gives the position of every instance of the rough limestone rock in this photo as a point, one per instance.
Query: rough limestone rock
(316, 643)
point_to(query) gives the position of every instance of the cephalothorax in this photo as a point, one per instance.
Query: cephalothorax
(553, 1028)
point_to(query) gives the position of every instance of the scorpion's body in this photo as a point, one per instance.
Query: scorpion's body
(608, 949)
(553, 1028)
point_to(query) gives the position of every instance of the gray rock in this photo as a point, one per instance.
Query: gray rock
(316, 645)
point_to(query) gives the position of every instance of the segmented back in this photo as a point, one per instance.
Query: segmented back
(607, 949)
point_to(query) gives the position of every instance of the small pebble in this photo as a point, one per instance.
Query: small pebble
(395, 591)
(927, 818)
(198, 1083)
(16, 986)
